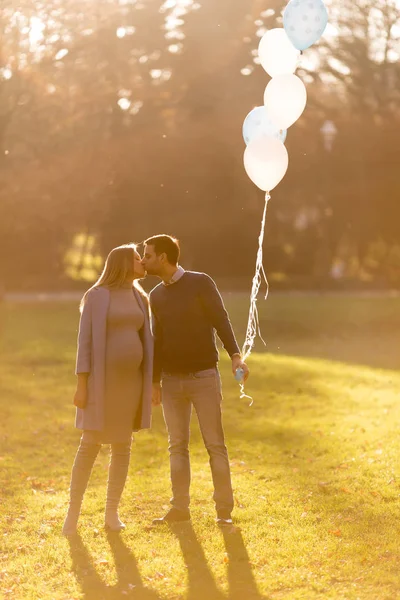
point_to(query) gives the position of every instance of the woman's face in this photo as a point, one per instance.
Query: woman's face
(138, 268)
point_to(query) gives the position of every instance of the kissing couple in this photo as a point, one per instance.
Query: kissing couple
(137, 350)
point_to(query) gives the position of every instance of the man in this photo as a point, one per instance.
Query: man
(187, 310)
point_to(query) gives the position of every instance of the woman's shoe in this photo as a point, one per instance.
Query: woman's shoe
(119, 463)
(71, 523)
(81, 470)
(113, 522)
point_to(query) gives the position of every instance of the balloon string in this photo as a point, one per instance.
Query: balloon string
(253, 324)
(244, 395)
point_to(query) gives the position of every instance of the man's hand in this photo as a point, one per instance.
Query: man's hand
(81, 397)
(156, 396)
(237, 363)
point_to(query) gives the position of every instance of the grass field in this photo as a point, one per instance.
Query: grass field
(315, 466)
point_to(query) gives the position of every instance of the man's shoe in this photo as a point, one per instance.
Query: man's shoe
(173, 516)
(224, 518)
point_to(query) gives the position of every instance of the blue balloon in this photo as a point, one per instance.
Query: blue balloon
(257, 123)
(239, 374)
(304, 22)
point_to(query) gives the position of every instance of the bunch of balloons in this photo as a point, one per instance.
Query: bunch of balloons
(265, 127)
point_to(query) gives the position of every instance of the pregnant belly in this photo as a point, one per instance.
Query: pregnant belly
(124, 349)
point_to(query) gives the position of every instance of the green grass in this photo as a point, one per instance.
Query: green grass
(315, 464)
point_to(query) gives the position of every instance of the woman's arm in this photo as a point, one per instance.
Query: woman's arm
(84, 355)
(84, 350)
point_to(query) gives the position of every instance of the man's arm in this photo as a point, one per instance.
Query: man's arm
(157, 366)
(219, 318)
(218, 315)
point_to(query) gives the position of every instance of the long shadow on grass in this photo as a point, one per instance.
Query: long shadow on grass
(240, 576)
(201, 584)
(129, 585)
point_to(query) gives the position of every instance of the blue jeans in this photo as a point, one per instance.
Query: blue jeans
(202, 390)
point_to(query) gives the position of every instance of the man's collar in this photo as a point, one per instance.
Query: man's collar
(176, 276)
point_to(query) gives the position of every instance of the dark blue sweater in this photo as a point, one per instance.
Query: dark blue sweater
(186, 315)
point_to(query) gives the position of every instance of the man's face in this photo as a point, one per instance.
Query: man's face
(151, 262)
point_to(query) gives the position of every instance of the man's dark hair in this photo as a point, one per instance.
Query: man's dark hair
(165, 243)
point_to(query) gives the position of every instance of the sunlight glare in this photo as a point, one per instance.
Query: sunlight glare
(123, 31)
(7, 73)
(268, 13)
(136, 106)
(175, 48)
(124, 103)
(35, 33)
(338, 66)
(173, 23)
(393, 56)
(261, 31)
(168, 5)
(175, 35)
(61, 54)
(160, 75)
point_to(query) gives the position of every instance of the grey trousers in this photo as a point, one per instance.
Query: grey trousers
(203, 391)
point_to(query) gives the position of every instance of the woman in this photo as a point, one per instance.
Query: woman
(114, 369)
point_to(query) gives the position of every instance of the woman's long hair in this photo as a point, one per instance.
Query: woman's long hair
(117, 268)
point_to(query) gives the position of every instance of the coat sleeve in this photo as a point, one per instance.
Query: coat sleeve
(157, 337)
(146, 332)
(84, 351)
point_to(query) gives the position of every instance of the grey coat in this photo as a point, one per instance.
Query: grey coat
(91, 359)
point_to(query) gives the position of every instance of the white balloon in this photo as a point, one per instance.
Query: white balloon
(285, 98)
(277, 53)
(266, 161)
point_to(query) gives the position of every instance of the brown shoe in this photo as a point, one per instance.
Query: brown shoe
(173, 516)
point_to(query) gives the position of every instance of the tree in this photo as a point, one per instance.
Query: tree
(124, 119)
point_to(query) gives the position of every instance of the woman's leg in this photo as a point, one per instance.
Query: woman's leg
(84, 460)
(118, 471)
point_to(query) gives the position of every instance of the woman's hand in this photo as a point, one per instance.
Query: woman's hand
(80, 398)
(81, 394)
(156, 396)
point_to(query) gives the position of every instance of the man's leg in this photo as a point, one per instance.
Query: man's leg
(177, 410)
(206, 396)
